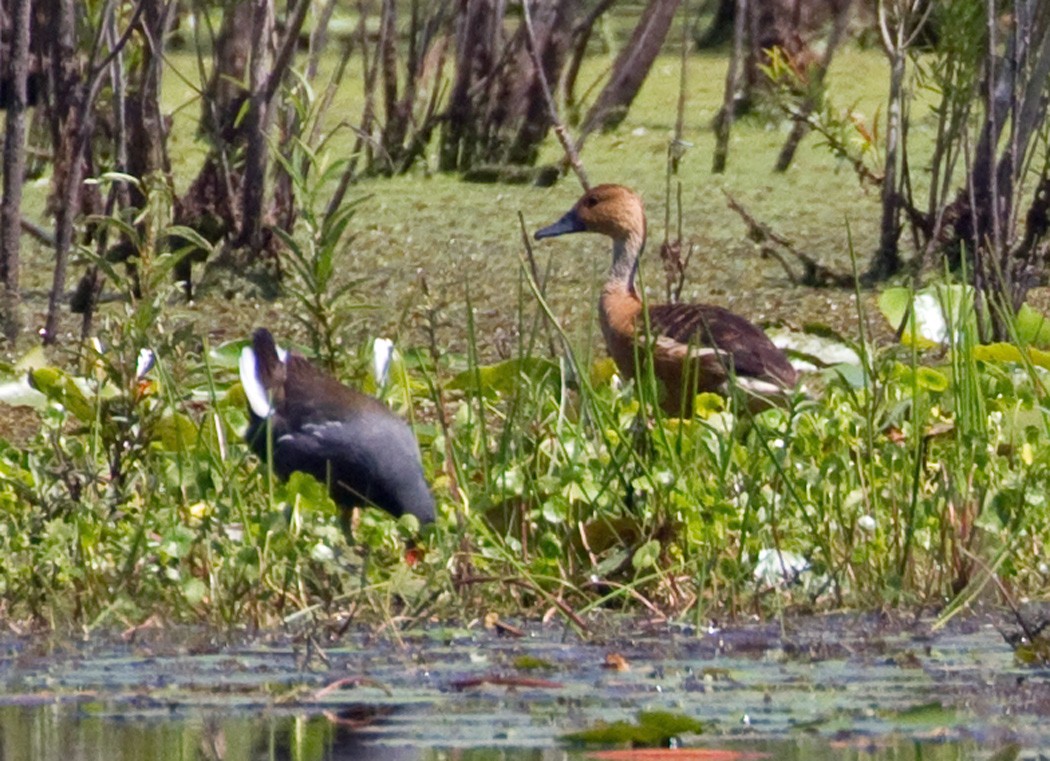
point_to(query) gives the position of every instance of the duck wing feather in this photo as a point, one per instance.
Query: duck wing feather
(716, 335)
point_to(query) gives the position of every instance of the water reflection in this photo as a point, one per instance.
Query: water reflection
(97, 732)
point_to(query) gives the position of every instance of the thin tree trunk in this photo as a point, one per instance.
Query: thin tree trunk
(801, 125)
(69, 97)
(14, 169)
(887, 260)
(253, 189)
(724, 120)
(632, 66)
(581, 33)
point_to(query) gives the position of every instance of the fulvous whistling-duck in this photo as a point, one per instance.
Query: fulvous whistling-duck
(695, 347)
(349, 440)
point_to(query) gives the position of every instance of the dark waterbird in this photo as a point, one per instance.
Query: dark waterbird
(695, 347)
(365, 453)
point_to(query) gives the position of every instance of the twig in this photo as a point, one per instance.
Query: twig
(536, 276)
(42, 234)
(814, 274)
(560, 131)
(526, 682)
(348, 681)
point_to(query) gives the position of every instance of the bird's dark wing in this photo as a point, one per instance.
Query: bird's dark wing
(368, 460)
(739, 345)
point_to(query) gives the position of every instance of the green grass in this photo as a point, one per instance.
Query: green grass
(903, 481)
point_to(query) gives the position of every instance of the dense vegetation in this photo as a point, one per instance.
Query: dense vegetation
(908, 471)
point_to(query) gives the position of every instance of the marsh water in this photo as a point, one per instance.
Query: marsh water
(822, 688)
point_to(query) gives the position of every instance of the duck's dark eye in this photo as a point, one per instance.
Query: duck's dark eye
(591, 201)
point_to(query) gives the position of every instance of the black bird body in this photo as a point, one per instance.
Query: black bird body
(348, 440)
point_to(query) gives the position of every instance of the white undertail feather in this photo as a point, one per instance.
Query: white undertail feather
(760, 387)
(258, 396)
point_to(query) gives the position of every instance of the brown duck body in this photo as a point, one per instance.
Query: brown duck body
(348, 440)
(695, 347)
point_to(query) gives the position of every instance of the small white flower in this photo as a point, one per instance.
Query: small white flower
(866, 523)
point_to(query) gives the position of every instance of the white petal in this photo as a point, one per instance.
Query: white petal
(382, 353)
(144, 363)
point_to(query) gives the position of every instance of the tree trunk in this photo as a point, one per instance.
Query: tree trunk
(141, 141)
(581, 36)
(551, 21)
(724, 120)
(887, 260)
(722, 26)
(473, 62)
(14, 168)
(257, 122)
(632, 66)
(816, 74)
(67, 129)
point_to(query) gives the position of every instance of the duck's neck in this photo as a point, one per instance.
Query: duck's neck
(626, 252)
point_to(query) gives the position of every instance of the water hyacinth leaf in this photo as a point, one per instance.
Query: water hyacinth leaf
(924, 377)
(707, 404)
(227, 355)
(652, 729)
(303, 489)
(934, 714)
(61, 388)
(605, 532)
(853, 375)
(997, 352)
(505, 377)
(176, 432)
(1033, 327)
(194, 590)
(675, 754)
(896, 305)
(602, 372)
(1001, 353)
(234, 397)
(933, 314)
(816, 346)
(646, 556)
(34, 359)
(19, 393)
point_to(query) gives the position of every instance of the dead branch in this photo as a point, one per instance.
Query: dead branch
(814, 274)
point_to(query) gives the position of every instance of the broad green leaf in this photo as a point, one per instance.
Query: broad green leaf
(1007, 352)
(19, 393)
(602, 371)
(924, 377)
(653, 729)
(176, 432)
(60, 388)
(646, 556)
(506, 376)
(1033, 327)
(707, 404)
